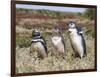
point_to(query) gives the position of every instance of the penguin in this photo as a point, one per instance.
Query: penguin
(77, 39)
(38, 44)
(58, 41)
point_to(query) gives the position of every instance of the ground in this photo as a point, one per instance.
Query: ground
(26, 62)
(45, 22)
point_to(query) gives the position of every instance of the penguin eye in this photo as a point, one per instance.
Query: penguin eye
(71, 24)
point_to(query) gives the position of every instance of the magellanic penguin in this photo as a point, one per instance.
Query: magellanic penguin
(58, 41)
(38, 44)
(77, 40)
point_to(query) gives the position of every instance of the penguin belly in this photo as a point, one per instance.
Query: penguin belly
(76, 41)
(57, 42)
(39, 48)
(60, 47)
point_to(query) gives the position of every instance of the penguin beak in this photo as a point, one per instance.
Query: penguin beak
(69, 30)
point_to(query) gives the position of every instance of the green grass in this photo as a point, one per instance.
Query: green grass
(90, 33)
(23, 41)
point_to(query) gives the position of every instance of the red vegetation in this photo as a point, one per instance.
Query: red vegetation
(32, 15)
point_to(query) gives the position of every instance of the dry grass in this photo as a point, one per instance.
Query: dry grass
(26, 62)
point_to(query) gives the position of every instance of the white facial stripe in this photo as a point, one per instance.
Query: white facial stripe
(81, 32)
(35, 40)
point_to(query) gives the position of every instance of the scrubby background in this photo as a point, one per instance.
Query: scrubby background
(45, 21)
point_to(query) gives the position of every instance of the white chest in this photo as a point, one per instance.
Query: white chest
(75, 38)
(56, 40)
(76, 41)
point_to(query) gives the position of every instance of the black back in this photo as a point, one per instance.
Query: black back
(84, 45)
(83, 40)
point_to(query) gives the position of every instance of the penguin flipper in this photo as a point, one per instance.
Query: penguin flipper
(63, 44)
(45, 47)
(84, 46)
(43, 40)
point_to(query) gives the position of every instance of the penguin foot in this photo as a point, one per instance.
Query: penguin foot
(75, 55)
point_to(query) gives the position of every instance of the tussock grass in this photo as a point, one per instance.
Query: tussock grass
(26, 62)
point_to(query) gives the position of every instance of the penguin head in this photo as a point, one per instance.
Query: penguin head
(56, 29)
(72, 27)
(35, 33)
(72, 24)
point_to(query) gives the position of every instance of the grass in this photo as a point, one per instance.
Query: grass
(26, 62)
(90, 32)
(23, 41)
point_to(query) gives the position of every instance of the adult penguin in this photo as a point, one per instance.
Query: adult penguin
(38, 44)
(77, 39)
